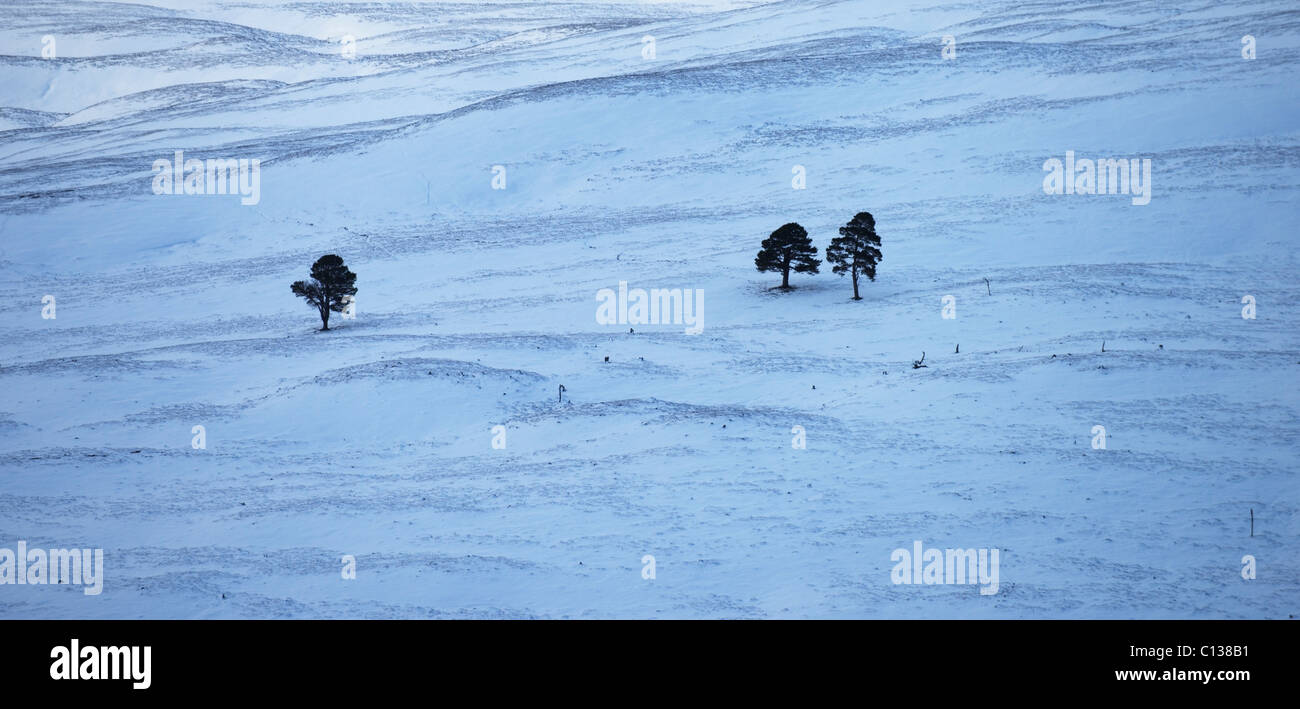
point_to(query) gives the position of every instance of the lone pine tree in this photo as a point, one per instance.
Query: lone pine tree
(329, 289)
(856, 250)
(787, 248)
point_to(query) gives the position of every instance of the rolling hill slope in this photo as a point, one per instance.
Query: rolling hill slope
(477, 304)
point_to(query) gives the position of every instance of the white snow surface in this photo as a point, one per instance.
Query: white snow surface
(476, 304)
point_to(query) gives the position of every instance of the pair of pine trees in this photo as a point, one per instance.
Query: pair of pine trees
(856, 251)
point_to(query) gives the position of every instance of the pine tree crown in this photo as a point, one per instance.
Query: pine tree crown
(857, 249)
(788, 244)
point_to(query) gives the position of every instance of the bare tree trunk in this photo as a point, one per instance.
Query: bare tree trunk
(327, 298)
(855, 285)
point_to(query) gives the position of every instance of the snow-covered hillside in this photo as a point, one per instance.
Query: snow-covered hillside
(655, 144)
